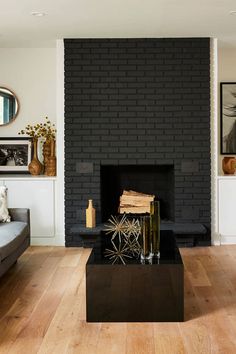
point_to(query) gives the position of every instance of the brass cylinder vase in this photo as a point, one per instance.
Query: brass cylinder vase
(145, 239)
(155, 228)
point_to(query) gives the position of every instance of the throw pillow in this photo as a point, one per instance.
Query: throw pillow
(4, 214)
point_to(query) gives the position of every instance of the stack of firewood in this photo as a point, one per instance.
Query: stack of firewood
(135, 202)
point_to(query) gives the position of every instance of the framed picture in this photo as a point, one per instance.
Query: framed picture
(228, 118)
(15, 155)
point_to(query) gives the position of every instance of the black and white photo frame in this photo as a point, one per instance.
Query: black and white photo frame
(228, 118)
(15, 155)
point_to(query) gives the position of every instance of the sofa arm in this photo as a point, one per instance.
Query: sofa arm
(20, 214)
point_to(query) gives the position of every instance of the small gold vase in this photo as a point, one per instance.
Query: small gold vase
(90, 215)
(35, 167)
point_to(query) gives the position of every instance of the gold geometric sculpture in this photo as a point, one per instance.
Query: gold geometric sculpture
(128, 231)
(116, 226)
(118, 253)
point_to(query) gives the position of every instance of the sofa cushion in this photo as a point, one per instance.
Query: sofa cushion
(11, 236)
(4, 214)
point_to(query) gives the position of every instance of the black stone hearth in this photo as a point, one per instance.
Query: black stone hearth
(157, 180)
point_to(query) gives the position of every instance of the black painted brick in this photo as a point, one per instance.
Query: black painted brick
(144, 101)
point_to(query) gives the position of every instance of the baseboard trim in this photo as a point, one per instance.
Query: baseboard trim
(58, 240)
(215, 243)
(227, 240)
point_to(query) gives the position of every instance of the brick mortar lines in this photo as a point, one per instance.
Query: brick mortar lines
(143, 101)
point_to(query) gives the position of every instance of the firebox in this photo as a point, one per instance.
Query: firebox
(149, 179)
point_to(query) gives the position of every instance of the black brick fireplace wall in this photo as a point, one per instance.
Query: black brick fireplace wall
(137, 101)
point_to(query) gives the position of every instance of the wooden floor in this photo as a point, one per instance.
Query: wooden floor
(42, 308)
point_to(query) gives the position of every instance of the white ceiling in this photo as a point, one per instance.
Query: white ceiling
(114, 18)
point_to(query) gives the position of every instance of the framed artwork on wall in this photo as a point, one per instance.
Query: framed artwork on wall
(15, 155)
(228, 118)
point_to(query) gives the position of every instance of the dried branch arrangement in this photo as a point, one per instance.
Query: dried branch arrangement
(45, 130)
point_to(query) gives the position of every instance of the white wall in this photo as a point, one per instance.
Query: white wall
(226, 64)
(31, 74)
(36, 75)
(59, 187)
(226, 185)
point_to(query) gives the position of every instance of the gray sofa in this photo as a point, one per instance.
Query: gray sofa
(14, 237)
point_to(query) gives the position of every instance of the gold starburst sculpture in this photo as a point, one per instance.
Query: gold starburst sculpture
(132, 228)
(131, 235)
(116, 226)
(133, 246)
(128, 231)
(118, 254)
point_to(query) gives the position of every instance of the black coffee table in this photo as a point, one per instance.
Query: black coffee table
(136, 292)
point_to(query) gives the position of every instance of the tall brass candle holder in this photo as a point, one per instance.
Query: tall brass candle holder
(155, 228)
(145, 239)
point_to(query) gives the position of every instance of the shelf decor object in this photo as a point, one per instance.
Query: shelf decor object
(45, 132)
(90, 215)
(228, 118)
(46, 154)
(15, 155)
(48, 132)
(229, 165)
(35, 166)
(51, 162)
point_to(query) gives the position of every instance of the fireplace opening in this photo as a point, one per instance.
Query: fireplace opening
(148, 179)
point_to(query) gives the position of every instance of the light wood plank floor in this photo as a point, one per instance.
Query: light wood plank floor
(42, 308)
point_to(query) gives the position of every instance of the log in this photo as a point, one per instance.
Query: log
(134, 210)
(135, 202)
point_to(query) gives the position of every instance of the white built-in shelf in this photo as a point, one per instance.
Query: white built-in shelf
(226, 185)
(36, 193)
(29, 177)
(225, 177)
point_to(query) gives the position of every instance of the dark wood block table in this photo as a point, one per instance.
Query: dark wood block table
(136, 292)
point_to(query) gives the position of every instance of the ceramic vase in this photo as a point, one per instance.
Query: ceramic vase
(90, 215)
(229, 165)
